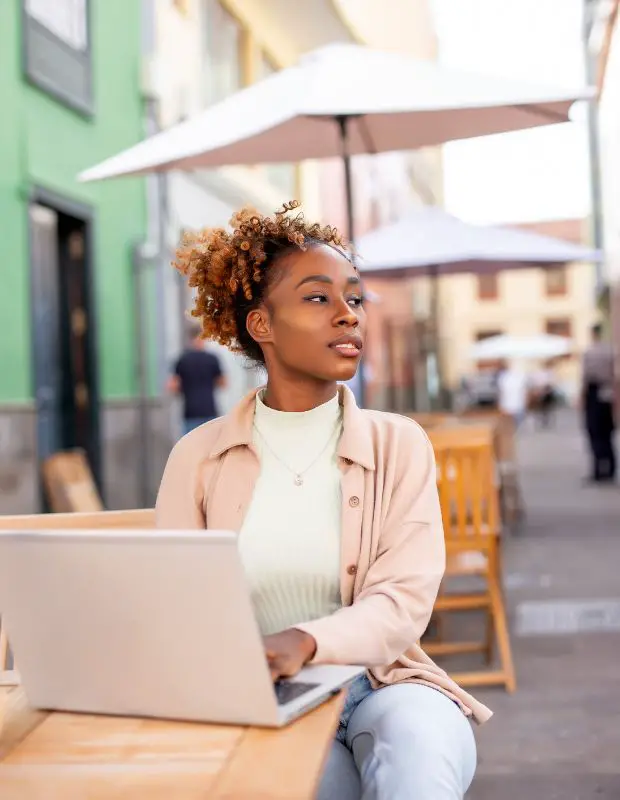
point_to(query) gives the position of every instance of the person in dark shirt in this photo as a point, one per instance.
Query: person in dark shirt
(197, 374)
(597, 402)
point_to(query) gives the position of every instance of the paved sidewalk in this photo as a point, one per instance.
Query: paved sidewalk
(558, 736)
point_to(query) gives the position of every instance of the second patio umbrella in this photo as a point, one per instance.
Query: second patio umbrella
(428, 240)
(543, 346)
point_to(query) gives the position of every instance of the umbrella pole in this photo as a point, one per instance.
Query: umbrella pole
(343, 124)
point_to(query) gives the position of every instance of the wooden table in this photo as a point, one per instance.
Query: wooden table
(55, 756)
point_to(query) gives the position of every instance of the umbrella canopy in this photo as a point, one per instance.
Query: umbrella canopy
(381, 101)
(540, 347)
(429, 237)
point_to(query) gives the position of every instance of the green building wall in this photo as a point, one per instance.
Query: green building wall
(44, 143)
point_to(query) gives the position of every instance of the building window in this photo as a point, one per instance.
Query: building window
(559, 327)
(482, 335)
(556, 281)
(57, 49)
(225, 52)
(66, 19)
(233, 60)
(492, 364)
(488, 286)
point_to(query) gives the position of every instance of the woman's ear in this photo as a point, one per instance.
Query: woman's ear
(258, 324)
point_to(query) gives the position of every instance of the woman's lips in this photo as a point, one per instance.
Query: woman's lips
(349, 348)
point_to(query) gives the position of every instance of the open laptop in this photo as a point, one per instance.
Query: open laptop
(145, 623)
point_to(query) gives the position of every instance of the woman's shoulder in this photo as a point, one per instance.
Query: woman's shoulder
(394, 432)
(396, 424)
(401, 448)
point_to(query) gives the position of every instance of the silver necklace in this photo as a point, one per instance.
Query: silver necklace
(298, 476)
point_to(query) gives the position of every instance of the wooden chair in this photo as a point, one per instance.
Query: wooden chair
(469, 503)
(69, 483)
(500, 431)
(134, 518)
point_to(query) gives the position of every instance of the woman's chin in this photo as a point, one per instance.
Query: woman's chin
(347, 372)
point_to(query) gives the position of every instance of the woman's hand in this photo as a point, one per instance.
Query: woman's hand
(288, 651)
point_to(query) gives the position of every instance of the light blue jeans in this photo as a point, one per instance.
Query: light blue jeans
(402, 742)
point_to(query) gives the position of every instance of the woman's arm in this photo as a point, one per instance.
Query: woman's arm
(179, 500)
(394, 606)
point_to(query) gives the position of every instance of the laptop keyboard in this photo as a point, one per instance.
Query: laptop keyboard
(291, 690)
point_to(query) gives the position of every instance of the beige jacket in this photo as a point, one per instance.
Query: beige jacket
(393, 554)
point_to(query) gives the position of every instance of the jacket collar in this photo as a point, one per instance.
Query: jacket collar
(356, 443)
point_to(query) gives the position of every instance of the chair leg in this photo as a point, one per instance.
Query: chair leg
(489, 638)
(502, 633)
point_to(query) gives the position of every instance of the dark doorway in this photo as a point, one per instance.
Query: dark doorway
(65, 368)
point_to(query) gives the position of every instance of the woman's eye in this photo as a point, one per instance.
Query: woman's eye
(356, 302)
(317, 298)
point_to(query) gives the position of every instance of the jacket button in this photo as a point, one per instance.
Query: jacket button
(351, 569)
(348, 461)
(354, 501)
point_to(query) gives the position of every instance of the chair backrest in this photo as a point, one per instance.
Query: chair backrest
(461, 435)
(429, 419)
(69, 483)
(468, 493)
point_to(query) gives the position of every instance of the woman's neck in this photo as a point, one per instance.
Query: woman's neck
(298, 397)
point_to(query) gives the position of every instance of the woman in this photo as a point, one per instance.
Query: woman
(336, 508)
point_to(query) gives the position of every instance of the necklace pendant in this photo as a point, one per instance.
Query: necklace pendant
(298, 480)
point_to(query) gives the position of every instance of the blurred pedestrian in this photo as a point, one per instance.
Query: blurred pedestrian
(512, 392)
(197, 374)
(545, 395)
(597, 405)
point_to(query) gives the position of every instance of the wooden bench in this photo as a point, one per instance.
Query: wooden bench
(133, 518)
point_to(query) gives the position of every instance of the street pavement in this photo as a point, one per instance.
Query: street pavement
(558, 736)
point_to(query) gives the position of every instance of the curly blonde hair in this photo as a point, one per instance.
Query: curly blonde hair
(232, 270)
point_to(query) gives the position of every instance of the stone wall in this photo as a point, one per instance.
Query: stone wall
(19, 487)
(122, 450)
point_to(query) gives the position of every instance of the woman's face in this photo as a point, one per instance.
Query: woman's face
(312, 324)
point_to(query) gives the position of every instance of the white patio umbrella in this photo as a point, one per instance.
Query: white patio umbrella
(343, 100)
(428, 240)
(505, 346)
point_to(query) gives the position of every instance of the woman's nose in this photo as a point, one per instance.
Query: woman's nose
(347, 316)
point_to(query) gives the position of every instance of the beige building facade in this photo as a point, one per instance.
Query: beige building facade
(559, 300)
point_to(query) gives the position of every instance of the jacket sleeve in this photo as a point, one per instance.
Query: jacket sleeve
(179, 502)
(393, 608)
